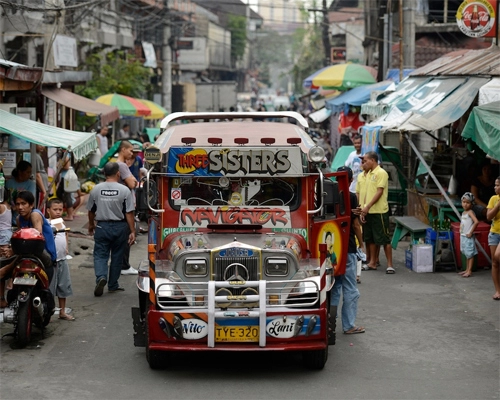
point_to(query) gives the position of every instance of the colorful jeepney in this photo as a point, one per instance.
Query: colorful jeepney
(245, 236)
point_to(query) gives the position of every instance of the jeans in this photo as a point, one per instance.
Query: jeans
(110, 237)
(346, 284)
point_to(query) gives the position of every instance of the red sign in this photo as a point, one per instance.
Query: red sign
(476, 18)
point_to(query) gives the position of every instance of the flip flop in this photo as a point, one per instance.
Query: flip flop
(496, 298)
(390, 271)
(67, 318)
(356, 329)
(365, 267)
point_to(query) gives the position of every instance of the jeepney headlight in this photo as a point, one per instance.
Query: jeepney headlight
(195, 267)
(316, 154)
(276, 267)
(223, 292)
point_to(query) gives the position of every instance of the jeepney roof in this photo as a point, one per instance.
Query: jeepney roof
(228, 131)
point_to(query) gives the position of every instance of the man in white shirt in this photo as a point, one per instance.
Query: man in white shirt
(124, 133)
(354, 162)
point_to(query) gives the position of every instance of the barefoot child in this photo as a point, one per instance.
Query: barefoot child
(467, 226)
(61, 284)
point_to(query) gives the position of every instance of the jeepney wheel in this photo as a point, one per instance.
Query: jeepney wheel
(154, 357)
(143, 303)
(332, 325)
(315, 359)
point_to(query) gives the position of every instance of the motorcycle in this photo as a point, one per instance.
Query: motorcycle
(30, 301)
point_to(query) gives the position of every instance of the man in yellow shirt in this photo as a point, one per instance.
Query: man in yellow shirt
(375, 211)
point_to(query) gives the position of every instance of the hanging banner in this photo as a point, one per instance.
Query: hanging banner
(476, 18)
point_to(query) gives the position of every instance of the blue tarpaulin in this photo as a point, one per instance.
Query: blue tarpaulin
(355, 97)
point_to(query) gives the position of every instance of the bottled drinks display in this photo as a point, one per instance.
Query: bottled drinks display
(444, 225)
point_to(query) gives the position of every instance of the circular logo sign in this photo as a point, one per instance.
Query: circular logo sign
(152, 155)
(476, 18)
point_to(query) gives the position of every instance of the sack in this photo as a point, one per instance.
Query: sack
(71, 183)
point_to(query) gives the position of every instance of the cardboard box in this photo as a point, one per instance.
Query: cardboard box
(422, 258)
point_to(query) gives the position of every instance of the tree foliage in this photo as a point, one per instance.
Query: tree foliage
(308, 47)
(237, 25)
(115, 72)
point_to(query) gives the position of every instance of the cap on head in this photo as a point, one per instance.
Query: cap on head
(345, 168)
(468, 196)
(136, 147)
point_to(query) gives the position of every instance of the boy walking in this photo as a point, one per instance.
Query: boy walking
(468, 224)
(61, 284)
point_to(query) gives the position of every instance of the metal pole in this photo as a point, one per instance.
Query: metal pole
(401, 40)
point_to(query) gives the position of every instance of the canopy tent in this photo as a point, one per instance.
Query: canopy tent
(106, 113)
(431, 105)
(79, 143)
(355, 97)
(383, 103)
(320, 115)
(483, 127)
(490, 92)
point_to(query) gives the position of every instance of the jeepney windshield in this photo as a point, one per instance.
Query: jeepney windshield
(234, 191)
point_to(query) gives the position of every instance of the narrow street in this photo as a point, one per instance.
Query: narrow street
(428, 336)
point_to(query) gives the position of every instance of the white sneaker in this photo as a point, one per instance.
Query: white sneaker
(130, 271)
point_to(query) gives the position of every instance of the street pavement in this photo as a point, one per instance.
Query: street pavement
(428, 336)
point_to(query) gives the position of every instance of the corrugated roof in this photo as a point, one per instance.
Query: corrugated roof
(484, 62)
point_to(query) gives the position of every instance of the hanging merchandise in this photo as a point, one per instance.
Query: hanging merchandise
(95, 158)
(71, 183)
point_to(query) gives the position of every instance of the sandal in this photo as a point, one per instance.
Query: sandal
(358, 280)
(356, 329)
(390, 270)
(67, 317)
(365, 267)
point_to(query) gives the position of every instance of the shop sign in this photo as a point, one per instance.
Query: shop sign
(476, 18)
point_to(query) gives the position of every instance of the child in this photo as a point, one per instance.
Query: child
(467, 226)
(61, 284)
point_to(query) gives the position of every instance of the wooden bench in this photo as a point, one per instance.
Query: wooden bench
(408, 225)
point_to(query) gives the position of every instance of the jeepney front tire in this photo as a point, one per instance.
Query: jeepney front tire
(332, 325)
(143, 303)
(315, 359)
(155, 358)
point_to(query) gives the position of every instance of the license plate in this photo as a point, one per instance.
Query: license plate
(236, 333)
(24, 281)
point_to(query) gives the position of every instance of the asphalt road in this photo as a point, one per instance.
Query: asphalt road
(428, 336)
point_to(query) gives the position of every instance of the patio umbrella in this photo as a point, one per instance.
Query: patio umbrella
(157, 111)
(307, 83)
(344, 76)
(125, 104)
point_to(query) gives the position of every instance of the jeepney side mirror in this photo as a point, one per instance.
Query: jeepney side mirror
(142, 196)
(331, 196)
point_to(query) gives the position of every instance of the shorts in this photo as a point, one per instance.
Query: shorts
(61, 283)
(468, 246)
(493, 239)
(5, 237)
(376, 229)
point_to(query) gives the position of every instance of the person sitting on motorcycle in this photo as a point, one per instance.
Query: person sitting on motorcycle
(30, 217)
(5, 249)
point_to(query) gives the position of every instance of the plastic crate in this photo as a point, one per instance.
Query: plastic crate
(408, 258)
(431, 235)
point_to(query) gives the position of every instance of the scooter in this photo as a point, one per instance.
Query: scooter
(29, 300)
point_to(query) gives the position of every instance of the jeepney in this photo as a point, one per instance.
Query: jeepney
(246, 234)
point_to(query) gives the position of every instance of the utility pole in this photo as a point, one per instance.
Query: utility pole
(325, 35)
(166, 81)
(408, 49)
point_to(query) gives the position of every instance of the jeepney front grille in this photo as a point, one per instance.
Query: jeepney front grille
(290, 294)
(221, 264)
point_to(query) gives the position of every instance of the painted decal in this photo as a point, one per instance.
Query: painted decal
(175, 193)
(236, 161)
(236, 252)
(286, 327)
(476, 18)
(266, 216)
(298, 231)
(330, 234)
(194, 328)
(168, 231)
